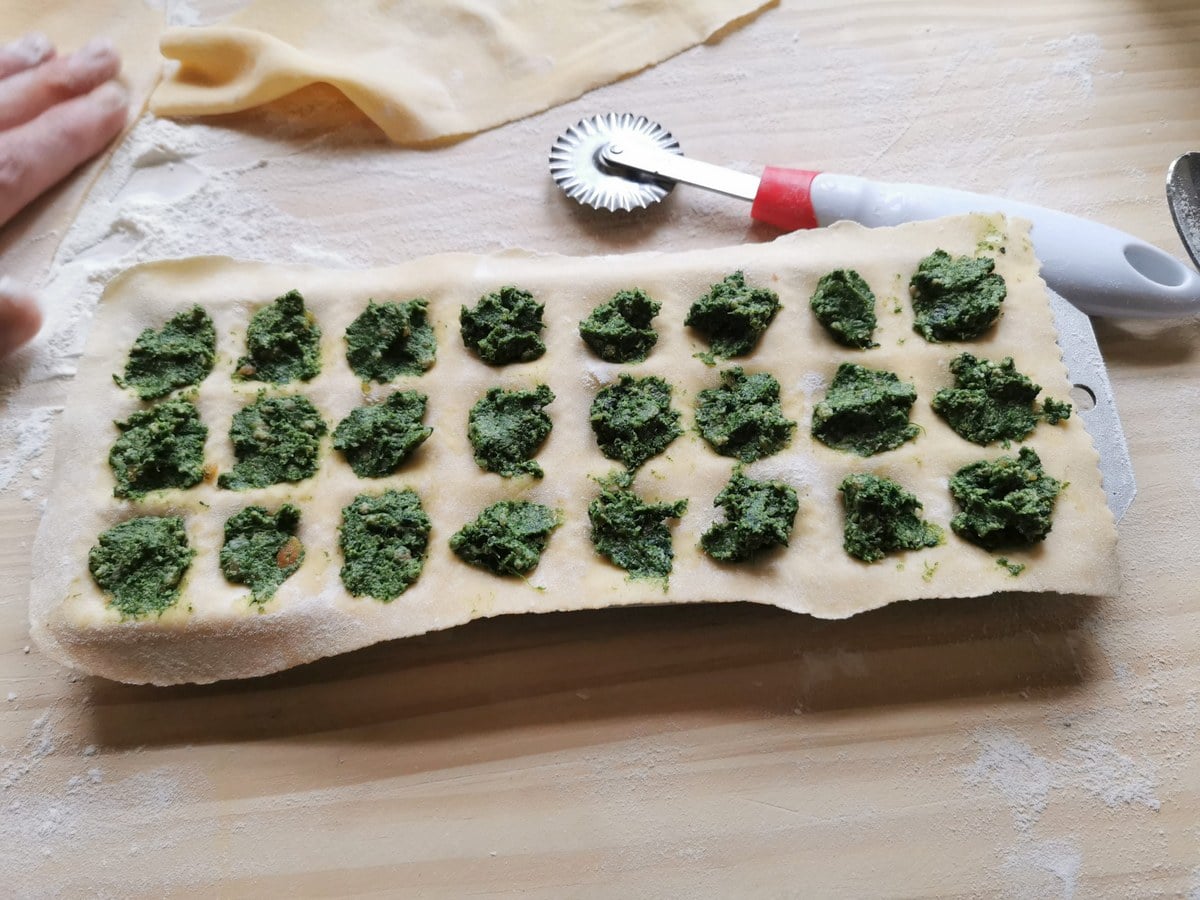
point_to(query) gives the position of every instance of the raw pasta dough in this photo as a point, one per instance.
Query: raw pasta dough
(423, 70)
(214, 633)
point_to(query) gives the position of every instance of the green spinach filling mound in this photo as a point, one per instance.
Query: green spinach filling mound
(742, 418)
(507, 428)
(140, 563)
(633, 535)
(508, 537)
(633, 419)
(882, 518)
(845, 306)
(504, 327)
(619, 330)
(955, 298)
(865, 411)
(758, 515)
(390, 339)
(1005, 502)
(992, 402)
(275, 439)
(161, 447)
(378, 438)
(732, 316)
(384, 540)
(261, 550)
(179, 355)
(282, 343)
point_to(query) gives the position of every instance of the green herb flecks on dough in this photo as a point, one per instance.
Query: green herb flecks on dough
(633, 419)
(882, 518)
(845, 306)
(282, 343)
(992, 401)
(742, 418)
(261, 550)
(140, 563)
(1013, 568)
(759, 515)
(384, 540)
(507, 428)
(507, 538)
(275, 439)
(1005, 502)
(620, 330)
(632, 534)
(161, 447)
(732, 316)
(181, 354)
(377, 438)
(955, 298)
(865, 411)
(391, 339)
(504, 327)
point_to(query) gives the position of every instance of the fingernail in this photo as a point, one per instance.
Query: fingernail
(97, 53)
(111, 95)
(10, 287)
(32, 49)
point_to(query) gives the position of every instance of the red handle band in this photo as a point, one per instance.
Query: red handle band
(784, 199)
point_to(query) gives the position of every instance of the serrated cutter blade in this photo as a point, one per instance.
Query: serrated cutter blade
(578, 166)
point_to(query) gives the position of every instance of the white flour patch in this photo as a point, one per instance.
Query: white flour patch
(1011, 766)
(1075, 56)
(1027, 780)
(39, 743)
(1099, 769)
(1039, 867)
(24, 437)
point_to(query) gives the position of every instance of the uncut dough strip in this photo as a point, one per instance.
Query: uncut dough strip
(423, 71)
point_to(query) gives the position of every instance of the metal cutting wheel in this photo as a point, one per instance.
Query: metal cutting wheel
(580, 165)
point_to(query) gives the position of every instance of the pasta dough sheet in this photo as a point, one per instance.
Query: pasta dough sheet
(214, 633)
(424, 71)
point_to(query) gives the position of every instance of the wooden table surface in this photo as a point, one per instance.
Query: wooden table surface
(1014, 745)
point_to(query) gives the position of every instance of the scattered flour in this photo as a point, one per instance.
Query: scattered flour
(1027, 780)
(53, 809)
(1010, 765)
(23, 441)
(1076, 56)
(1059, 860)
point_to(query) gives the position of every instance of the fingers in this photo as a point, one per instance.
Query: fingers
(24, 53)
(20, 317)
(27, 94)
(38, 154)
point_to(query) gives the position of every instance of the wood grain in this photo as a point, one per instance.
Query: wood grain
(1010, 746)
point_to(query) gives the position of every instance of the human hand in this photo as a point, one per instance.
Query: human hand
(55, 112)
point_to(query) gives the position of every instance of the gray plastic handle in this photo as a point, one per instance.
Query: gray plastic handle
(1101, 270)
